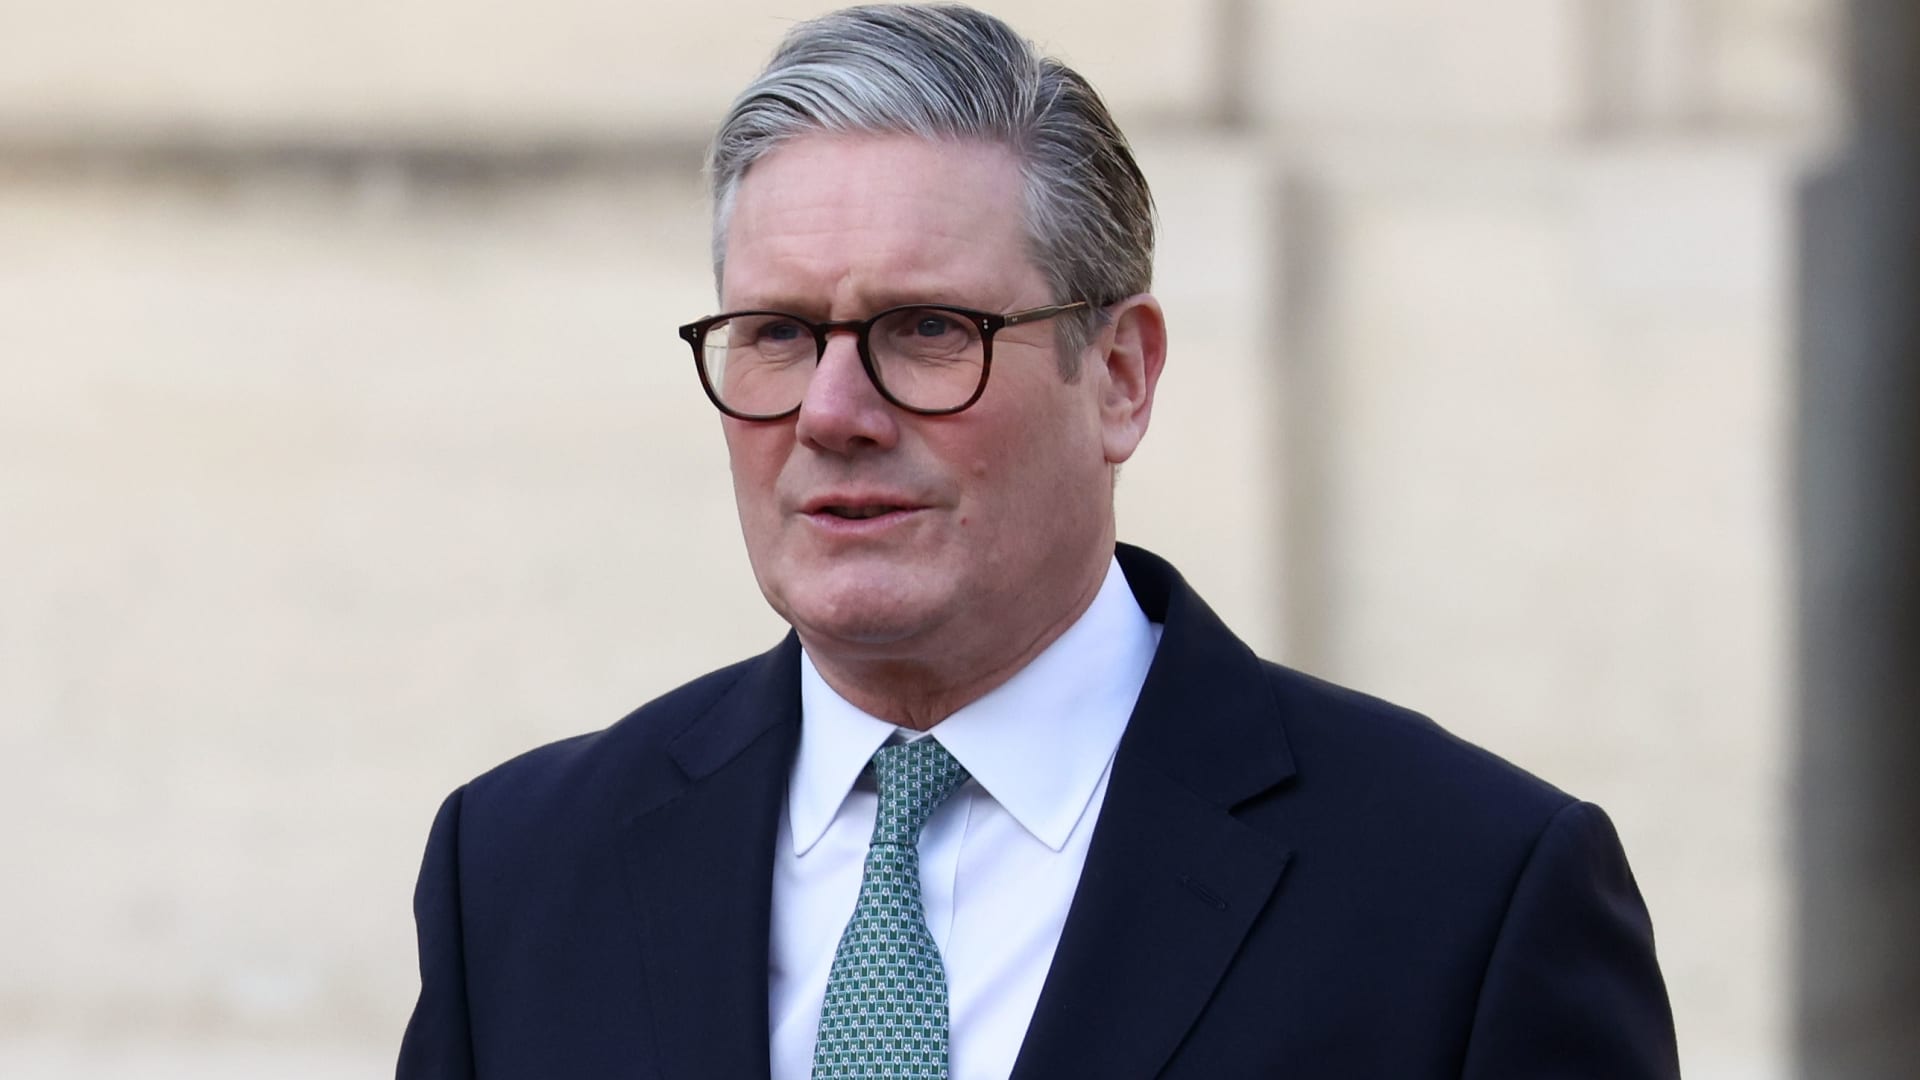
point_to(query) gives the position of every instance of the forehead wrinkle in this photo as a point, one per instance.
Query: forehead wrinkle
(849, 273)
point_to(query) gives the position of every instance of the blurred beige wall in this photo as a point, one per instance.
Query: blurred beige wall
(347, 449)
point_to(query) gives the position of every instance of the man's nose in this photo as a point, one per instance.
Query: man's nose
(842, 410)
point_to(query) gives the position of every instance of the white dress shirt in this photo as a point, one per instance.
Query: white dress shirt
(999, 860)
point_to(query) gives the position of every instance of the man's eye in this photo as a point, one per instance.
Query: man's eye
(780, 332)
(933, 326)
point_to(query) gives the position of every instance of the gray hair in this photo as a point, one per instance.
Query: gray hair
(947, 71)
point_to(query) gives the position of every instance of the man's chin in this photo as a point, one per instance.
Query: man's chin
(871, 618)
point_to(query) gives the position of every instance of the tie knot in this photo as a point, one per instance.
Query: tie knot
(914, 778)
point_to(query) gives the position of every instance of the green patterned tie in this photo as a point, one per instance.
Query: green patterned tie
(885, 1014)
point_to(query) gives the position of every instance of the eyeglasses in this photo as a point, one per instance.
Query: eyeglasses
(929, 359)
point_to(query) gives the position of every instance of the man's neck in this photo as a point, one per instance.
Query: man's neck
(917, 694)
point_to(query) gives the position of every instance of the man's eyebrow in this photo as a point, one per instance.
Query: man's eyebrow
(871, 303)
(791, 304)
(766, 303)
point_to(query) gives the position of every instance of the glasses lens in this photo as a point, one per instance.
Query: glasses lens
(759, 364)
(928, 357)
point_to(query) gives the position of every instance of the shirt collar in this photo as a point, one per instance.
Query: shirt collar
(1038, 743)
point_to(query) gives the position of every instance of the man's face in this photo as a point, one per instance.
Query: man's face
(882, 535)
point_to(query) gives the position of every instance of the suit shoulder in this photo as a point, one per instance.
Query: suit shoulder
(1386, 751)
(629, 755)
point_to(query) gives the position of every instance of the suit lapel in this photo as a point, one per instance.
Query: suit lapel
(1173, 882)
(700, 867)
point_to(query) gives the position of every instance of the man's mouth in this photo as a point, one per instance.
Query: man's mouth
(859, 513)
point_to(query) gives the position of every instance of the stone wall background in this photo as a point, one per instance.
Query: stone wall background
(347, 448)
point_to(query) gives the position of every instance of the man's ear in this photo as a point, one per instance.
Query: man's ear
(1126, 358)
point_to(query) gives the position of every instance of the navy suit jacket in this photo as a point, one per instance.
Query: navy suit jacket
(1287, 879)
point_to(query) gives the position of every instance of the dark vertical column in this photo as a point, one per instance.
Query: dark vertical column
(1858, 780)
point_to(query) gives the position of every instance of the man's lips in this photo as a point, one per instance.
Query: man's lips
(857, 507)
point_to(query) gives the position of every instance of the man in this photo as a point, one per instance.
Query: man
(1005, 802)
